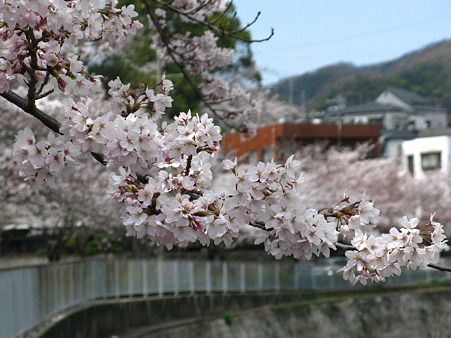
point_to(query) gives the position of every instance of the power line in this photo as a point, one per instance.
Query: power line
(364, 34)
(276, 71)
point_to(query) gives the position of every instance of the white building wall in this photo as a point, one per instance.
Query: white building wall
(424, 145)
(387, 97)
(393, 148)
(436, 119)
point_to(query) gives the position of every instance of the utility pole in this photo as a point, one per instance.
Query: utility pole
(304, 105)
(290, 90)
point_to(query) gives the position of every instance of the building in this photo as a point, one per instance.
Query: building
(402, 114)
(280, 141)
(397, 109)
(430, 151)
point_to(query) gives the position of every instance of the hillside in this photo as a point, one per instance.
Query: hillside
(426, 71)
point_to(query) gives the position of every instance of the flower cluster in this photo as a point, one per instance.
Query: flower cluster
(202, 57)
(126, 101)
(41, 161)
(169, 206)
(163, 177)
(169, 211)
(379, 257)
(268, 196)
(37, 34)
(199, 54)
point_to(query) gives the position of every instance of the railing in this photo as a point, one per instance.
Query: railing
(31, 295)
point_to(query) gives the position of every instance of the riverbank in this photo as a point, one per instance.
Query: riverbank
(418, 312)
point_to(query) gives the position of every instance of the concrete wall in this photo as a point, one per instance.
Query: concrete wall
(105, 318)
(417, 311)
(408, 314)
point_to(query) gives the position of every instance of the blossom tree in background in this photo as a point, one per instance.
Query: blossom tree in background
(75, 207)
(161, 175)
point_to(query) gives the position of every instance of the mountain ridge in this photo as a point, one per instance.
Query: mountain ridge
(426, 71)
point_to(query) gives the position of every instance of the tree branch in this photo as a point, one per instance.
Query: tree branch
(188, 165)
(223, 13)
(219, 30)
(22, 103)
(47, 120)
(438, 267)
(260, 225)
(345, 246)
(181, 67)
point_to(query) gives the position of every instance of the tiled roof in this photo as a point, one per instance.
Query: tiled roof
(409, 97)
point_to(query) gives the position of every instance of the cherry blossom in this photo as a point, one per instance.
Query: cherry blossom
(379, 257)
(162, 170)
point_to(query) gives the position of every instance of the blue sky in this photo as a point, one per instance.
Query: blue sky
(310, 34)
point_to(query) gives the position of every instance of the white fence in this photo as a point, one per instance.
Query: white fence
(30, 295)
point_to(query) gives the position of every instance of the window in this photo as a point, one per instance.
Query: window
(410, 163)
(431, 161)
(267, 154)
(252, 157)
(377, 120)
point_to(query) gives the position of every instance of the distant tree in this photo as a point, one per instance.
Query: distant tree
(75, 207)
(137, 64)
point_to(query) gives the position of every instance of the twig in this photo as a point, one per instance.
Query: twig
(181, 66)
(345, 246)
(260, 225)
(438, 267)
(219, 30)
(45, 94)
(223, 13)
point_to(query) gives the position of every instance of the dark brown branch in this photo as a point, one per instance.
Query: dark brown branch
(188, 165)
(47, 93)
(32, 69)
(22, 103)
(43, 84)
(228, 23)
(345, 246)
(223, 13)
(438, 267)
(47, 120)
(99, 158)
(193, 194)
(260, 225)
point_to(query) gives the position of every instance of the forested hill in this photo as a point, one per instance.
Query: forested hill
(426, 71)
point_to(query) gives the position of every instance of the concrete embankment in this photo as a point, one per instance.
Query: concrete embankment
(410, 312)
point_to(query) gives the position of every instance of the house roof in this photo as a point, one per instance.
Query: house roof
(409, 97)
(416, 101)
(370, 107)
